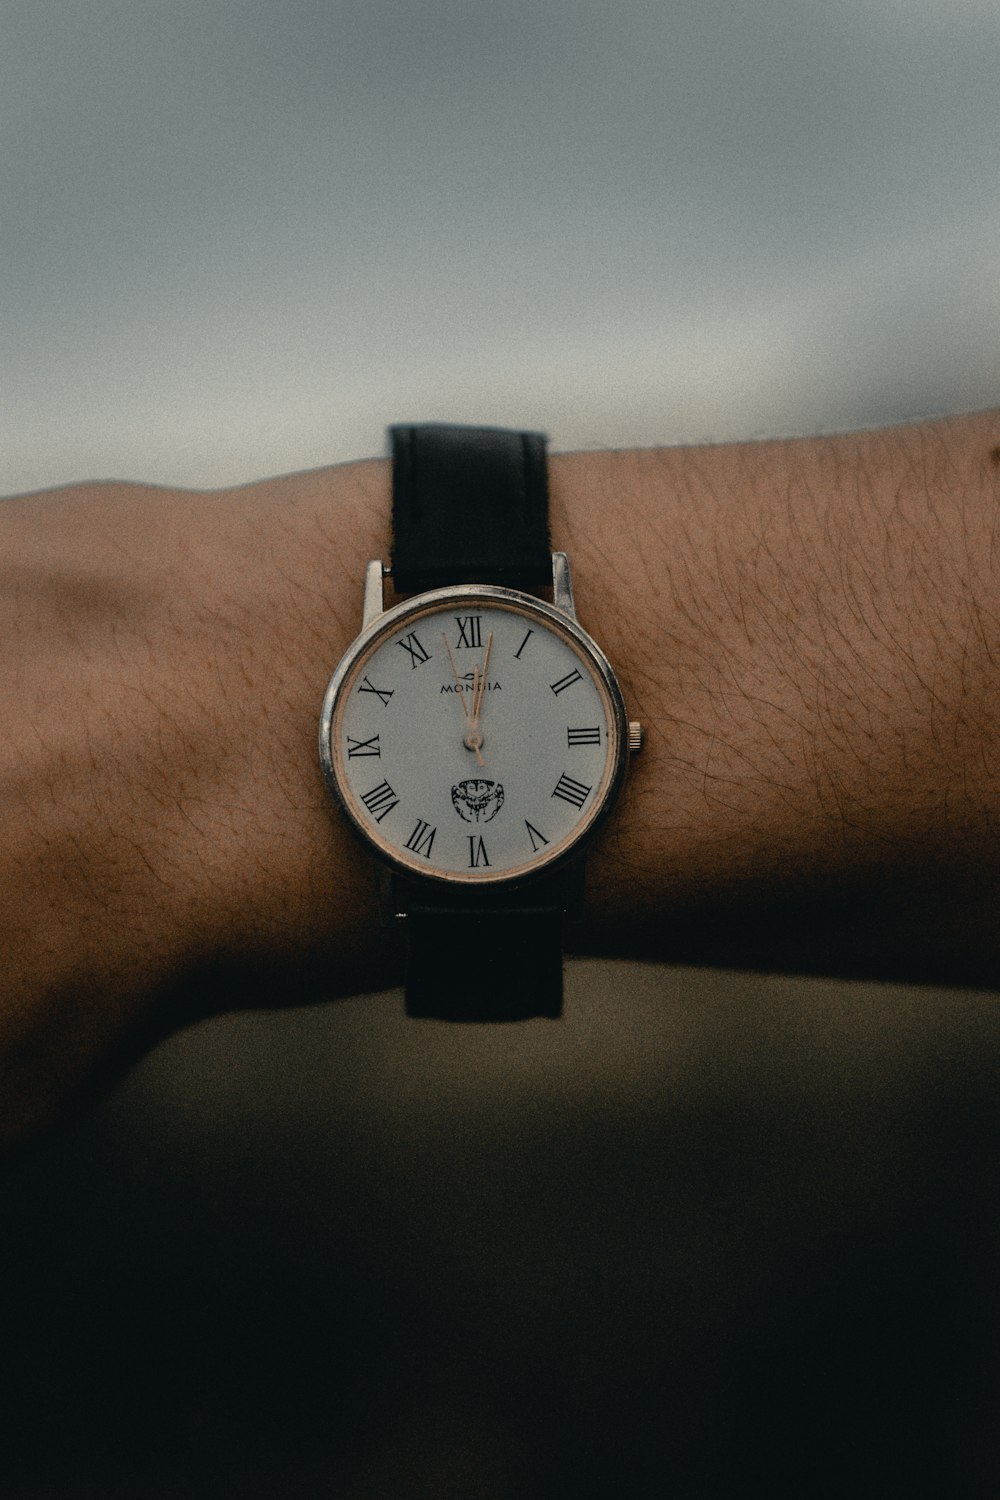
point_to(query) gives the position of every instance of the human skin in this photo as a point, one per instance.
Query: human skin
(807, 629)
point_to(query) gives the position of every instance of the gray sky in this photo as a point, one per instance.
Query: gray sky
(240, 237)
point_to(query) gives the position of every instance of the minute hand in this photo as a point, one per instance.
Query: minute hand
(473, 739)
(479, 682)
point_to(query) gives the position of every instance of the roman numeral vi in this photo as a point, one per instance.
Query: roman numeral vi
(477, 851)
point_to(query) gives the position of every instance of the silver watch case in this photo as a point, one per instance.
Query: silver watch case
(560, 614)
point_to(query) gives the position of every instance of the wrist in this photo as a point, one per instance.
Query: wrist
(163, 811)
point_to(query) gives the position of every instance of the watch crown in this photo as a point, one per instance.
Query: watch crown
(634, 736)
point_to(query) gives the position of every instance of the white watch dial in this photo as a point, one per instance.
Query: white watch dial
(474, 736)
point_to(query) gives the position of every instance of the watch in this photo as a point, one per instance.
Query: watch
(474, 735)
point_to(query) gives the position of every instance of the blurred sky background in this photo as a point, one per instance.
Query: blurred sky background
(238, 238)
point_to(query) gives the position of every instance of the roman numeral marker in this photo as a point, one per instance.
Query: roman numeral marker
(382, 694)
(572, 791)
(583, 737)
(411, 644)
(533, 834)
(363, 747)
(421, 840)
(470, 630)
(565, 682)
(477, 851)
(517, 653)
(380, 800)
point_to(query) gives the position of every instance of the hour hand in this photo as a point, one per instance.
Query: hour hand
(472, 740)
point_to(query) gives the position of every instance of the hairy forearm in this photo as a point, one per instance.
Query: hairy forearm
(810, 631)
(806, 630)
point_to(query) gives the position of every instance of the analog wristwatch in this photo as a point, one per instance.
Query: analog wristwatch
(474, 735)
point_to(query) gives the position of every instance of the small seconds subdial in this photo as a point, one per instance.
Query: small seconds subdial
(475, 737)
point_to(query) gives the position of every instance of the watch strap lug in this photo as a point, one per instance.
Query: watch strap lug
(374, 604)
(562, 585)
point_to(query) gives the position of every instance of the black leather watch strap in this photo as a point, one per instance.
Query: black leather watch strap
(470, 505)
(485, 960)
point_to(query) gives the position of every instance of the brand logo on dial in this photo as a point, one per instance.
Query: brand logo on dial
(477, 801)
(465, 684)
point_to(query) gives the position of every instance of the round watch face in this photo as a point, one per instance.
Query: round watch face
(474, 735)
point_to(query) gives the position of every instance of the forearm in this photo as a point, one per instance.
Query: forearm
(809, 631)
(806, 630)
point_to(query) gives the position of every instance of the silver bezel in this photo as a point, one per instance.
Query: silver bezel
(559, 621)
